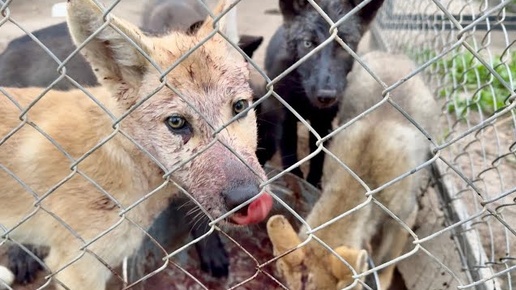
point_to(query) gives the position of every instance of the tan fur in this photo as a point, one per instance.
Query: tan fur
(378, 148)
(48, 193)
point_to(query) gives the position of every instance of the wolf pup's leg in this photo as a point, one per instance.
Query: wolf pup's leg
(394, 238)
(212, 254)
(323, 127)
(397, 239)
(288, 144)
(269, 120)
(22, 264)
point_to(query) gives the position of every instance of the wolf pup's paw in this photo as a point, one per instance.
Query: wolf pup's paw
(6, 277)
(23, 265)
(302, 269)
(213, 256)
(215, 260)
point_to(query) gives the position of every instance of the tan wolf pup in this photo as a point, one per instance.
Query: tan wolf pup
(87, 177)
(377, 148)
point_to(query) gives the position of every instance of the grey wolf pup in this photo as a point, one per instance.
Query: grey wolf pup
(378, 148)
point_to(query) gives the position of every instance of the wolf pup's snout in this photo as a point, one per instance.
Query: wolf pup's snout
(239, 193)
(254, 212)
(326, 98)
(242, 183)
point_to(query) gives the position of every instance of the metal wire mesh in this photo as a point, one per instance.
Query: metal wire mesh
(465, 51)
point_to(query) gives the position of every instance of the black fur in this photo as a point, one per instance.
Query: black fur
(25, 63)
(212, 254)
(315, 87)
(22, 264)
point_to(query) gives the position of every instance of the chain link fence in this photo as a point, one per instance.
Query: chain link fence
(464, 233)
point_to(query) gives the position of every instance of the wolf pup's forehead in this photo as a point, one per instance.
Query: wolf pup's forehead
(336, 10)
(212, 65)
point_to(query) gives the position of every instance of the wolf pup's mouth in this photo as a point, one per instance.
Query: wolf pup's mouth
(255, 212)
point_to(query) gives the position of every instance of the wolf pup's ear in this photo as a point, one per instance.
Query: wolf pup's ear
(292, 8)
(227, 24)
(117, 63)
(368, 12)
(249, 43)
(194, 28)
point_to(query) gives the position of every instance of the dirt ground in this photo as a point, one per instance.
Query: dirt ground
(427, 269)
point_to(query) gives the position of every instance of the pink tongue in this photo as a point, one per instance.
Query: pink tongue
(257, 211)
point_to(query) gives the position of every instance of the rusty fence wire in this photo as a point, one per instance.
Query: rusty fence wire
(464, 236)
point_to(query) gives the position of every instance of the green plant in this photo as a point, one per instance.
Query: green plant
(468, 83)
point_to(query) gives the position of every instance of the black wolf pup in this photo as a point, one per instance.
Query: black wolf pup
(315, 87)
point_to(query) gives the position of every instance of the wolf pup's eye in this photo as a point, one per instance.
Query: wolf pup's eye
(178, 125)
(239, 106)
(176, 122)
(308, 43)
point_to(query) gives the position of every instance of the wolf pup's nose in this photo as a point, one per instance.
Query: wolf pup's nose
(252, 213)
(326, 97)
